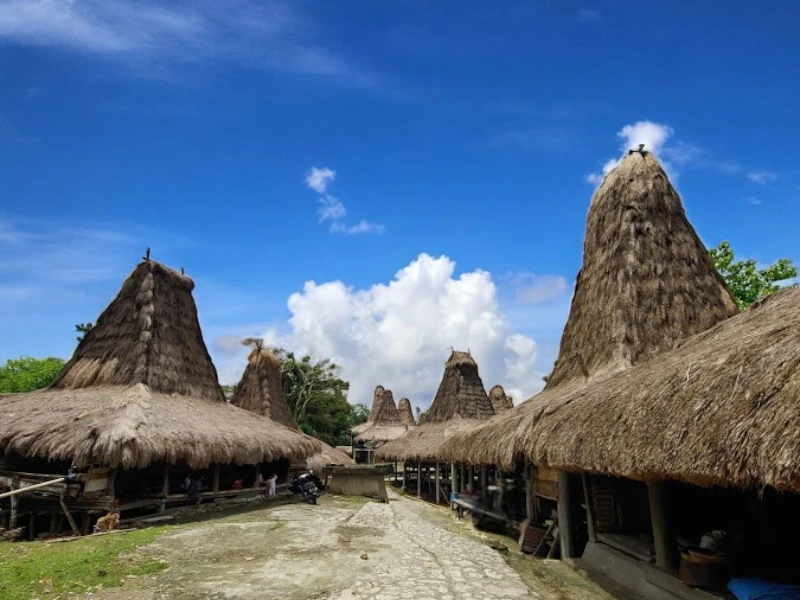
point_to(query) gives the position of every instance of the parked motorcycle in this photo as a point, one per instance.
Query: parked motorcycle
(308, 486)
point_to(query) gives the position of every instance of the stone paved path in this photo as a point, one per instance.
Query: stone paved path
(342, 549)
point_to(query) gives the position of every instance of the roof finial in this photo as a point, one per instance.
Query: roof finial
(147, 254)
(640, 150)
(182, 271)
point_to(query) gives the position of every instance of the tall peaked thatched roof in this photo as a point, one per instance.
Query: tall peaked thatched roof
(461, 392)
(460, 402)
(500, 401)
(384, 421)
(141, 387)
(645, 284)
(261, 390)
(646, 281)
(406, 413)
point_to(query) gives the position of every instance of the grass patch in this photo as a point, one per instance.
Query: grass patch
(53, 570)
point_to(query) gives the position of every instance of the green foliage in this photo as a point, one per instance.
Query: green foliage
(41, 570)
(745, 280)
(317, 397)
(26, 374)
(83, 328)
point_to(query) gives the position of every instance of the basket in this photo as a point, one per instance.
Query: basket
(705, 569)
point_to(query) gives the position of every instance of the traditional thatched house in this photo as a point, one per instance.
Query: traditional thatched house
(406, 414)
(261, 391)
(136, 408)
(646, 284)
(460, 402)
(384, 424)
(500, 401)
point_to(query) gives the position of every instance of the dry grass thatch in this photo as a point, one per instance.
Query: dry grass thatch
(406, 413)
(140, 388)
(500, 401)
(261, 389)
(460, 402)
(328, 456)
(384, 421)
(646, 281)
(645, 284)
(722, 408)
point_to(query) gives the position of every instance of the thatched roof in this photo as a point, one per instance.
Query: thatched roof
(328, 456)
(500, 401)
(140, 388)
(460, 401)
(261, 390)
(645, 284)
(406, 414)
(384, 421)
(722, 408)
(646, 281)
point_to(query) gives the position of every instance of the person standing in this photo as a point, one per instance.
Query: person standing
(271, 484)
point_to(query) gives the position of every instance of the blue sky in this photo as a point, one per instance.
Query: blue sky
(464, 132)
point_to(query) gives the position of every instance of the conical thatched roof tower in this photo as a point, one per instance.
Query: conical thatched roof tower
(406, 414)
(261, 389)
(500, 401)
(384, 421)
(460, 401)
(646, 284)
(646, 281)
(140, 388)
(461, 392)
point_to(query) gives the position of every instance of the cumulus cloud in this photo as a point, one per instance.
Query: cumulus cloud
(318, 179)
(332, 210)
(399, 334)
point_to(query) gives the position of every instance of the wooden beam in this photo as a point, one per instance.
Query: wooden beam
(12, 524)
(453, 477)
(73, 525)
(215, 485)
(565, 524)
(419, 480)
(437, 483)
(112, 481)
(462, 477)
(530, 510)
(663, 535)
(587, 498)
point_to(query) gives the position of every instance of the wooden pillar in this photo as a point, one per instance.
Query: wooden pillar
(405, 475)
(529, 506)
(663, 535)
(53, 522)
(255, 481)
(164, 489)
(112, 480)
(587, 498)
(12, 524)
(453, 481)
(462, 479)
(31, 526)
(484, 483)
(437, 483)
(501, 489)
(565, 525)
(419, 479)
(215, 484)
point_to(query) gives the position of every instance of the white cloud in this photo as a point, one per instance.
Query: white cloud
(761, 177)
(318, 179)
(154, 38)
(331, 209)
(654, 136)
(399, 334)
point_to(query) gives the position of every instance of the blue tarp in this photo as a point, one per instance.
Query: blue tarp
(750, 588)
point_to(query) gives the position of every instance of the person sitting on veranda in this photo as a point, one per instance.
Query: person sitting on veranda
(195, 487)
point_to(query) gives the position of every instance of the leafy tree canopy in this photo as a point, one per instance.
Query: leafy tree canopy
(317, 397)
(26, 374)
(745, 280)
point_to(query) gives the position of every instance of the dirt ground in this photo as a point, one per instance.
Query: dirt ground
(346, 549)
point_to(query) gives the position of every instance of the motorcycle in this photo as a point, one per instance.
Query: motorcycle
(307, 485)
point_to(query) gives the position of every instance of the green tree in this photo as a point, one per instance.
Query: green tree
(317, 397)
(83, 329)
(26, 374)
(745, 280)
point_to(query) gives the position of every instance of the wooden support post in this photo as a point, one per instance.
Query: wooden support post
(453, 482)
(255, 481)
(72, 524)
(461, 478)
(215, 485)
(565, 516)
(164, 489)
(663, 535)
(501, 489)
(85, 521)
(112, 481)
(484, 483)
(529, 506)
(53, 522)
(587, 498)
(12, 524)
(437, 483)
(419, 480)
(31, 526)
(405, 476)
